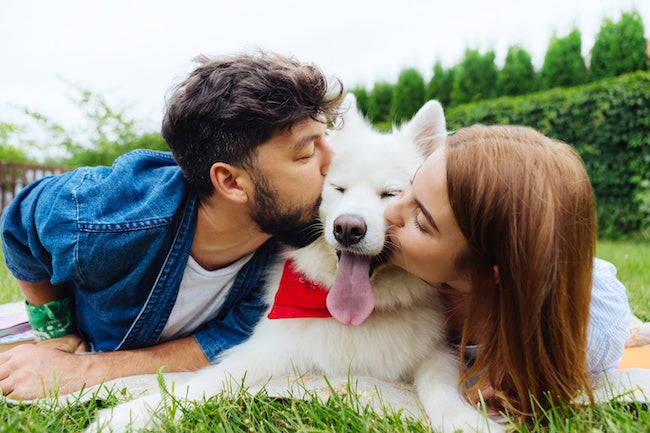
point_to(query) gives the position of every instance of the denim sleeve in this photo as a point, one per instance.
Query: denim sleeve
(233, 328)
(38, 231)
(610, 317)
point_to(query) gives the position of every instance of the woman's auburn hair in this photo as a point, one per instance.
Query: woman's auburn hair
(525, 204)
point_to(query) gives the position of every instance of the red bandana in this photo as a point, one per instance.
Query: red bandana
(297, 297)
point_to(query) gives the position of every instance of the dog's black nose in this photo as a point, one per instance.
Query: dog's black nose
(349, 229)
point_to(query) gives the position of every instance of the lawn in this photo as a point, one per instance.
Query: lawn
(260, 413)
(632, 259)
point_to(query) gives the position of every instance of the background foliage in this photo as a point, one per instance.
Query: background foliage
(570, 98)
(475, 78)
(408, 95)
(9, 152)
(112, 134)
(606, 118)
(518, 74)
(607, 121)
(563, 63)
(619, 48)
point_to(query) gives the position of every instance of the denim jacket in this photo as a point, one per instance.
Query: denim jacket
(119, 237)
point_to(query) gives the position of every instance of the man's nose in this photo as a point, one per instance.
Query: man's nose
(326, 157)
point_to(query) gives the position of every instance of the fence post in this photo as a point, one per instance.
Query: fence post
(15, 176)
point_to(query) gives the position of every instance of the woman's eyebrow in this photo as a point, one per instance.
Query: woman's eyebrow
(427, 215)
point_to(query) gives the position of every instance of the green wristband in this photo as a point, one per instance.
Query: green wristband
(51, 320)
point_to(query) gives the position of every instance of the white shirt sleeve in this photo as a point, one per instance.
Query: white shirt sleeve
(609, 322)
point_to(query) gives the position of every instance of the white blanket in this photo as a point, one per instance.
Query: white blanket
(624, 385)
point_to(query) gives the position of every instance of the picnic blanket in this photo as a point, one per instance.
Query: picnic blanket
(631, 382)
(637, 346)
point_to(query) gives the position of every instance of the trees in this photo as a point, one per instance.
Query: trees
(563, 63)
(441, 84)
(607, 122)
(475, 77)
(619, 47)
(408, 95)
(379, 102)
(107, 134)
(9, 152)
(362, 96)
(518, 74)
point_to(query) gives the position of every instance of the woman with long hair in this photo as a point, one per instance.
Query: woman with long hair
(501, 219)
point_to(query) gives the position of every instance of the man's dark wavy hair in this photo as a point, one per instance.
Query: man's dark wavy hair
(229, 105)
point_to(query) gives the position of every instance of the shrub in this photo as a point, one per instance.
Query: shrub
(619, 47)
(608, 122)
(408, 95)
(563, 64)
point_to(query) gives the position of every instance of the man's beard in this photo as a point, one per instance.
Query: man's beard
(286, 225)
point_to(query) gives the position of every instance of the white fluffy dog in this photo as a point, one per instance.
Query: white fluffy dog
(384, 322)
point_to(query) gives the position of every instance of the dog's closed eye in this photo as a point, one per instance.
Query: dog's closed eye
(391, 193)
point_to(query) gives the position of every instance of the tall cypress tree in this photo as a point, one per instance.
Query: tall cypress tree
(619, 47)
(475, 77)
(518, 74)
(441, 84)
(379, 102)
(563, 63)
(408, 95)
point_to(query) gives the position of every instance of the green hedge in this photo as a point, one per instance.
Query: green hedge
(608, 122)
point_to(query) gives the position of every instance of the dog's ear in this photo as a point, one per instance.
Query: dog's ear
(428, 127)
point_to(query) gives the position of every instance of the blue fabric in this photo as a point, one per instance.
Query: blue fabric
(610, 317)
(120, 238)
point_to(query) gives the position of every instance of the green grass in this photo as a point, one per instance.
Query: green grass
(9, 291)
(632, 259)
(260, 413)
(342, 413)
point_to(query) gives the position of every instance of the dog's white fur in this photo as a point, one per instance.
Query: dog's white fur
(401, 340)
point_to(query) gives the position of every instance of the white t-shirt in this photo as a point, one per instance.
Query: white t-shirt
(200, 296)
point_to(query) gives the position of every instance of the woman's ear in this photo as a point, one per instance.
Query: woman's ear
(229, 182)
(495, 274)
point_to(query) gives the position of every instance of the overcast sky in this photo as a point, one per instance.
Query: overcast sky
(132, 51)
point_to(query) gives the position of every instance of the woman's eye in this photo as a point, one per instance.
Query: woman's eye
(417, 224)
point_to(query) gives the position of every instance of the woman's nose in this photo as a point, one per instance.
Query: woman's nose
(392, 212)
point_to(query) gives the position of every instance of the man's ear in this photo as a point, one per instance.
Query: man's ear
(229, 182)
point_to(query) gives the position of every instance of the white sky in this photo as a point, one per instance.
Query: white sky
(133, 51)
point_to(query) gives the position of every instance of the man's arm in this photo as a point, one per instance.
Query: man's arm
(29, 371)
(41, 293)
(32, 371)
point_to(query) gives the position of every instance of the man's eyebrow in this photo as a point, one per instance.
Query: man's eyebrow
(302, 142)
(427, 215)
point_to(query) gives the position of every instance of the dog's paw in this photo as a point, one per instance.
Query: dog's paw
(470, 422)
(127, 417)
(101, 423)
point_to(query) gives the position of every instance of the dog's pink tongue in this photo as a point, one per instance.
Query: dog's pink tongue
(350, 300)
